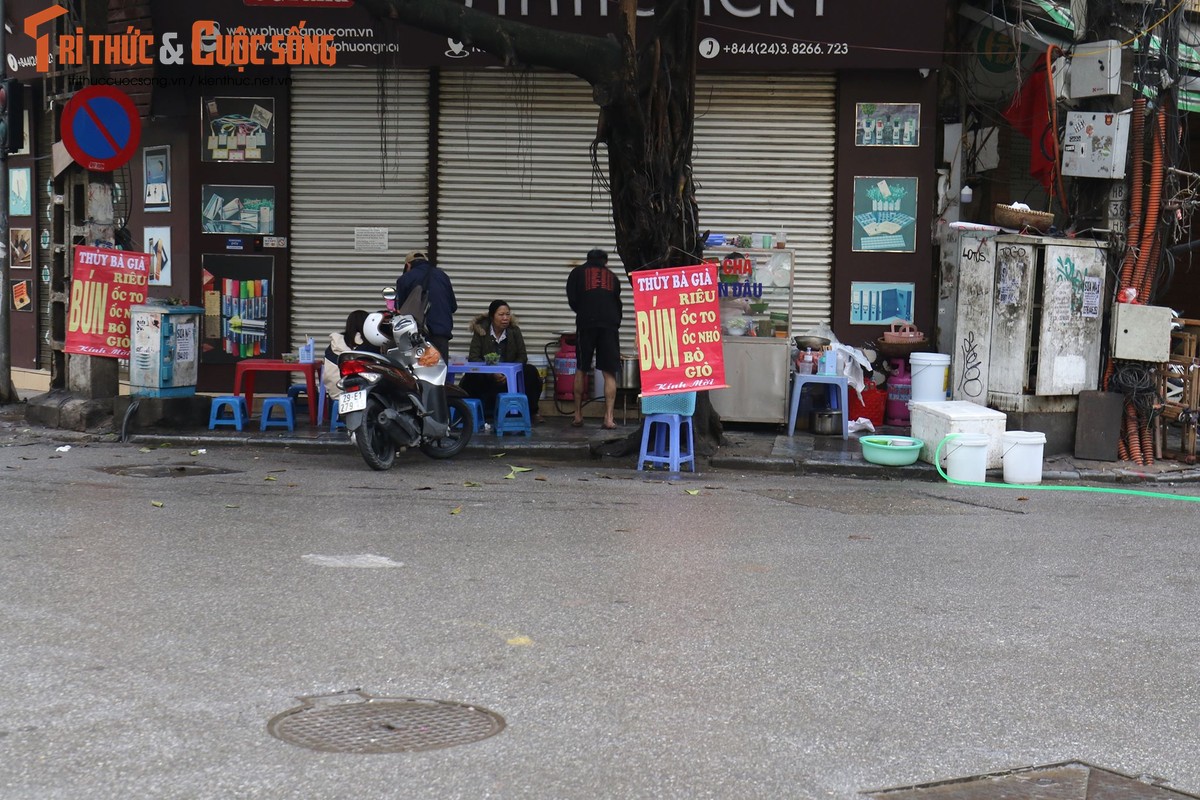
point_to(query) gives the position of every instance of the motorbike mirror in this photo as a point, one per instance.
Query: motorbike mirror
(389, 293)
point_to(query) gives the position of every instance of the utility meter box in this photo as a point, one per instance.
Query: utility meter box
(1095, 69)
(1095, 144)
(164, 353)
(1141, 333)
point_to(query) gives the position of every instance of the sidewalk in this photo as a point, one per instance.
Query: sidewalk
(746, 448)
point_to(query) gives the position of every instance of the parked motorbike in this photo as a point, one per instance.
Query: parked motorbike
(400, 399)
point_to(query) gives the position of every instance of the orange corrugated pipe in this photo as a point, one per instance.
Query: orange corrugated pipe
(1147, 444)
(1152, 210)
(1133, 234)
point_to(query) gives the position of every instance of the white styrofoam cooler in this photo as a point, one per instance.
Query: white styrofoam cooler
(932, 422)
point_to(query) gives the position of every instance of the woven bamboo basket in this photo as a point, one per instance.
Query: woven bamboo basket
(1009, 217)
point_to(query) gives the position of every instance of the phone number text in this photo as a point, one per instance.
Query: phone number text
(788, 49)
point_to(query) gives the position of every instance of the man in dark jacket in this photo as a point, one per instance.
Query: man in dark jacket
(594, 293)
(439, 321)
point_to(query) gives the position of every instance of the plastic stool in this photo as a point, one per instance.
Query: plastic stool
(289, 413)
(512, 414)
(299, 394)
(667, 433)
(838, 398)
(237, 409)
(476, 406)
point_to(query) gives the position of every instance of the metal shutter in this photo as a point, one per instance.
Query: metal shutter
(337, 185)
(519, 203)
(763, 161)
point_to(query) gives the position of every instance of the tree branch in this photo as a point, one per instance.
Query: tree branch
(596, 59)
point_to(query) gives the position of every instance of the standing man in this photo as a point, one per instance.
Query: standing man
(594, 293)
(439, 320)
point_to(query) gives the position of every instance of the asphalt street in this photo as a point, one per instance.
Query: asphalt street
(721, 636)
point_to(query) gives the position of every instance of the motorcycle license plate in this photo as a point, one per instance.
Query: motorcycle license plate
(351, 401)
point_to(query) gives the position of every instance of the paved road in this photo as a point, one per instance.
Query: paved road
(724, 636)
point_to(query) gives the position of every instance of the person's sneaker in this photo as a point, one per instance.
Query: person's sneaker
(487, 427)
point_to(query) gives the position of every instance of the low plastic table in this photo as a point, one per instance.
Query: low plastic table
(243, 376)
(839, 398)
(515, 373)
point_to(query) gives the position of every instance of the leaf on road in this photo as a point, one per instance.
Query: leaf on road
(514, 470)
(231, 506)
(471, 483)
(164, 445)
(856, 537)
(456, 510)
(499, 455)
(197, 452)
(144, 450)
(156, 503)
(539, 478)
(692, 492)
(270, 478)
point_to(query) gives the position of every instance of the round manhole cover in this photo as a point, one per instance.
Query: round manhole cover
(360, 723)
(166, 470)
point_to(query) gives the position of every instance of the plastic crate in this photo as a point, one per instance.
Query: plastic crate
(683, 403)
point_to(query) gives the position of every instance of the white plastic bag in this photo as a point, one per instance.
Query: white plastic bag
(824, 331)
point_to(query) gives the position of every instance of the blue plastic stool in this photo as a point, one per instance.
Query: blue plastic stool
(334, 422)
(476, 406)
(836, 385)
(299, 394)
(512, 414)
(289, 413)
(665, 432)
(237, 409)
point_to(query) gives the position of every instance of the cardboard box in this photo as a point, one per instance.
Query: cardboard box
(932, 422)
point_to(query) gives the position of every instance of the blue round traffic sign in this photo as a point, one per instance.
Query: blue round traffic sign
(101, 128)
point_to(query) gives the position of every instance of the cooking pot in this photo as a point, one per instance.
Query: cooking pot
(827, 423)
(631, 376)
(815, 342)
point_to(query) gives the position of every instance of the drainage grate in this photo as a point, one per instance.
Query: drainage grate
(1071, 780)
(166, 471)
(356, 722)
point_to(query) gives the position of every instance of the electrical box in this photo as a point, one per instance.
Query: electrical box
(164, 352)
(1095, 70)
(1141, 333)
(1095, 144)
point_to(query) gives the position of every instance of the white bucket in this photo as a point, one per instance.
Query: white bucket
(929, 377)
(966, 457)
(1022, 455)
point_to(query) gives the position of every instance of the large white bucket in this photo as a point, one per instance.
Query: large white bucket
(966, 457)
(1022, 456)
(929, 377)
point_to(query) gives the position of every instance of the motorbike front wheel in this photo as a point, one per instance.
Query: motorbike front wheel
(377, 448)
(461, 427)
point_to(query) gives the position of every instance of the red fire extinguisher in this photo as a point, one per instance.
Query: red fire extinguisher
(564, 368)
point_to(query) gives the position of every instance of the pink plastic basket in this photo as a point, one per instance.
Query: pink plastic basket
(683, 403)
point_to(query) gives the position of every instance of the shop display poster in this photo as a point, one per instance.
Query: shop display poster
(105, 283)
(20, 248)
(881, 303)
(678, 329)
(885, 215)
(237, 307)
(238, 129)
(156, 164)
(20, 201)
(228, 209)
(158, 245)
(20, 295)
(887, 124)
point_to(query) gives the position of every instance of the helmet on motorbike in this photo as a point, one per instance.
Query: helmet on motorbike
(371, 330)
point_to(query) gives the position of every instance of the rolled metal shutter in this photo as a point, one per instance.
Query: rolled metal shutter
(338, 183)
(764, 162)
(519, 203)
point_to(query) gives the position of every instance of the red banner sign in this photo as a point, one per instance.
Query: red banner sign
(104, 284)
(678, 329)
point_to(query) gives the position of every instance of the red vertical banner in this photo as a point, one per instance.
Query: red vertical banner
(104, 284)
(678, 329)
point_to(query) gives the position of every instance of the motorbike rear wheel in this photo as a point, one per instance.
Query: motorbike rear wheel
(377, 448)
(461, 427)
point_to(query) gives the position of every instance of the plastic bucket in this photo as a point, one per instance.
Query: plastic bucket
(966, 457)
(1022, 455)
(929, 377)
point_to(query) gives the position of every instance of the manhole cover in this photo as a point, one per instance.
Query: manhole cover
(166, 471)
(356, 722)
(1072, 780)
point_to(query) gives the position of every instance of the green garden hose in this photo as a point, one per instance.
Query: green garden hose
(937, 462)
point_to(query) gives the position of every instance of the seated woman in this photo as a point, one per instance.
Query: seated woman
(349, 339)
(496, 333)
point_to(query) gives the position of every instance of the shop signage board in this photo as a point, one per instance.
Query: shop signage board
(105, 283)
(678, 329)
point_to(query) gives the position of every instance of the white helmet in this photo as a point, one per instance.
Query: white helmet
(371, 330)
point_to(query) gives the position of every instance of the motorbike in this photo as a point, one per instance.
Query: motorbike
(399, 399)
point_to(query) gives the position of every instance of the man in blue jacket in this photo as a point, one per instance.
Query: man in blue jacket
(439, 321)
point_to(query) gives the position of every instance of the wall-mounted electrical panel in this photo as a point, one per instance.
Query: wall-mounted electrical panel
(1095, 144)
(1141, 333)
(1095, 69)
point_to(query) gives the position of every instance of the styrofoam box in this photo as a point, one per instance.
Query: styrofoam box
(932, 422)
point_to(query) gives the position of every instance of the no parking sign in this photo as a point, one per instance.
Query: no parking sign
(101, 128)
